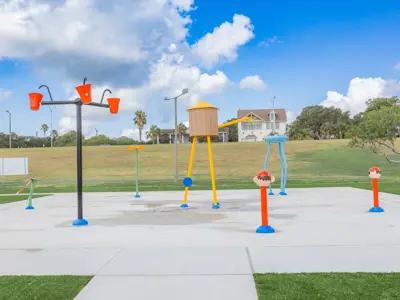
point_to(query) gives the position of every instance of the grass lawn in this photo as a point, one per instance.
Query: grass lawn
(41, 287)
(15, 198)
(329, 286)
(311, 164)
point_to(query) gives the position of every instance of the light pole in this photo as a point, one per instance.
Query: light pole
(51, 127)
(9, 125)
(273, 114)
(85, 98)
(184, 91)
(97, 132)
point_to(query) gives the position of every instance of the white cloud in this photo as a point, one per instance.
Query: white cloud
(131, 100)
(397, 66)
(361, 90)
(184, 5)
(270, 41)
(95, 38)
(224, 41)
(252, 82)
(137, 48)
(172, 75)
(172, 47)
(133, 133)
(4, 94)
(291, 116)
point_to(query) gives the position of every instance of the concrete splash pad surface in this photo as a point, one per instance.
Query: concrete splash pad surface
(132, 242)
(306, 217)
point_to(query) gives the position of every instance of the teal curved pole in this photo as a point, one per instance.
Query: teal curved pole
(271, 193)
(284, 169)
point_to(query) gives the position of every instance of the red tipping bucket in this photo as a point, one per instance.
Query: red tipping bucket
(35, 100)
(114, 104)
(85, 93)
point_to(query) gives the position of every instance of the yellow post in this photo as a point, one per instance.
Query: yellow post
(235, 122)
(210, 158)
(190, 168)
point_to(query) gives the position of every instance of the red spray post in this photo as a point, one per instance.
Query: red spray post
(263, 180)
(375, 173)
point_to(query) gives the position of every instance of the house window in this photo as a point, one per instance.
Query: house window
(247, 126)
(268, 125)
(276, 125)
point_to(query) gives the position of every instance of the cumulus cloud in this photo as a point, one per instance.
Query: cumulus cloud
(270, 41)
(4, 94)
(173, 75)
(252, 82)
(224, 41)
(138, 48)
(133, 133)
(291, 116)
(361, 90)
(96, 38)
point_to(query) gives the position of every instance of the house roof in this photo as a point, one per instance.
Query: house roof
(263, 113)
(202, 104)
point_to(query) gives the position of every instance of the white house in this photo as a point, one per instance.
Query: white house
(264, 122)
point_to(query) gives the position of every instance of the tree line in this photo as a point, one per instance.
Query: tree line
(318, 122)
(153, 135)
(376, 128)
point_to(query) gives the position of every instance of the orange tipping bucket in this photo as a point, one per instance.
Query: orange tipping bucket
(85, 93)
(35, 100)
(114, 104)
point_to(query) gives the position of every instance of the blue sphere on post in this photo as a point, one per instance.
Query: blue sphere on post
(187, 182)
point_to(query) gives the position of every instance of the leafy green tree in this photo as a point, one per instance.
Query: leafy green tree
(377, 131)
(68, 139)
(318, 122)
(44, 128)
(153, 133)
(99, 140)
(123, 140)
(232, 131)
(378, 103)
(140, 121)
(182, 129)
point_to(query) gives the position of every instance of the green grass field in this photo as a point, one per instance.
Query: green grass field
(112, 168)
(328, 286)
(41, 287)
(321, 286)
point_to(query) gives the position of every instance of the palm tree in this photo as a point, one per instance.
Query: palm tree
(153, 133)
(140, 120)
(182, 129)
(44, 128)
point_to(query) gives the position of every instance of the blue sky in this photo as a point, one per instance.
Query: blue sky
(322, 46)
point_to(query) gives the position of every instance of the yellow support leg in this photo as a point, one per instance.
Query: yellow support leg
(214, 188)
(189, 171)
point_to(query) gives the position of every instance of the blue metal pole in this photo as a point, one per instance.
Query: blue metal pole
(271, 193)
(286, 169)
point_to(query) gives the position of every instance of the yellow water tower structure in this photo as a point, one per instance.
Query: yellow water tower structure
(203, 122)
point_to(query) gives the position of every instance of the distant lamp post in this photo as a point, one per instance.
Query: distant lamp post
(97, 131)
(184, 91)
(273, 115)
(51, 127)
(51, 114)
(9, 126)
(85, 98)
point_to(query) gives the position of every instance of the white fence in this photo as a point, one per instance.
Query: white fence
(14, 166)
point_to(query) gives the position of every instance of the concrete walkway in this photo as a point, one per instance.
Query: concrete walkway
(149, 248)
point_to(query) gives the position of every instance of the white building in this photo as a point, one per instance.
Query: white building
(264, 122)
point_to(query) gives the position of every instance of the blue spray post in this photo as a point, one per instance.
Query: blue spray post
(280, 140)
